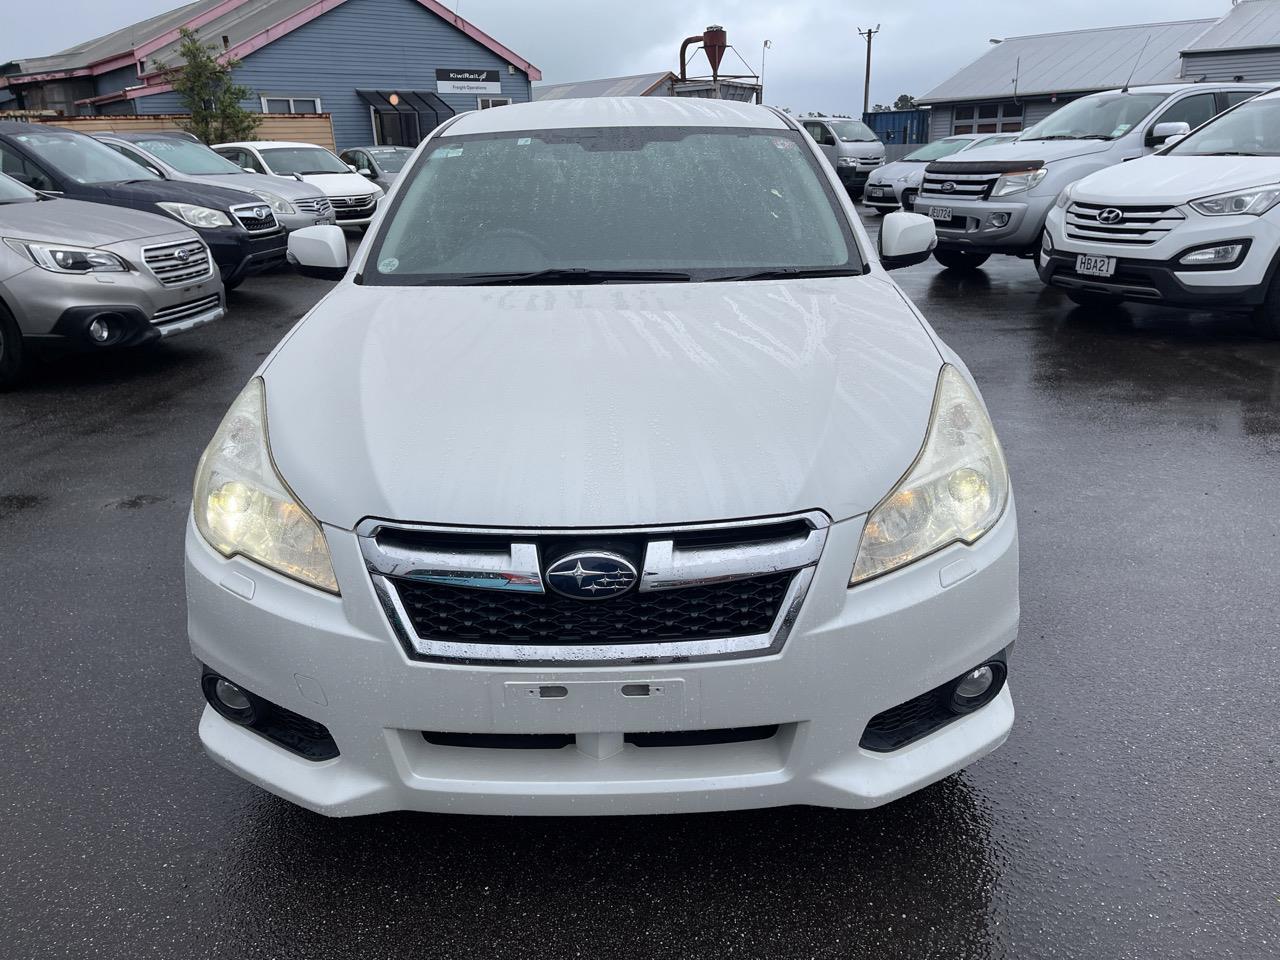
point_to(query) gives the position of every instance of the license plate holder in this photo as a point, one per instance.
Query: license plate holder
(940, 213)
(1090, 265)
(660, 703)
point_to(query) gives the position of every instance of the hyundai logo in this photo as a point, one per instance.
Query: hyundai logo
(592, 575)
(949, 187)
(1110, 215)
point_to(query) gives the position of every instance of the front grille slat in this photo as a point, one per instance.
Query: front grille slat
(184, 311)
(1137, 225)
(353, 208)
(248, 217)
(175, 264)
(320, 206)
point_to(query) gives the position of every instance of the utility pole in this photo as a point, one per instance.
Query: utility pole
(763, 47)
(869, 33)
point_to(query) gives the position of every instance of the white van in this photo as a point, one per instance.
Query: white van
(852, 147)
(1195, 225)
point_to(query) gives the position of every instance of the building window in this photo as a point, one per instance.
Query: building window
(290, 104)
(987, 118)
(486, 102)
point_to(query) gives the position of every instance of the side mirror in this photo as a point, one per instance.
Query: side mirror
(1161, 132)
(352, 168)
(365, 172)
(905, 240)
(248, 170)
(1170, 141)
(319, 252)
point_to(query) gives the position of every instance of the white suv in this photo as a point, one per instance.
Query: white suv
(547, 508)
(1196, 225)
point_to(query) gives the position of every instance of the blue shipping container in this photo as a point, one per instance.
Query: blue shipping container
(899, 126)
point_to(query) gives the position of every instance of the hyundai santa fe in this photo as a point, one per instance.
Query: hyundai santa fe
(615, 475)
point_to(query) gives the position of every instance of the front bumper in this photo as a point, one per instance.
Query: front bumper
(851, 655)
(296, 221)
(973, 229)
(888, 196)
(239, 253)
(855, 178)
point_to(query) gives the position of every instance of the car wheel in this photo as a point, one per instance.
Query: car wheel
(1096, 301)
(960, 259)
(1267, 316)
(11, 350)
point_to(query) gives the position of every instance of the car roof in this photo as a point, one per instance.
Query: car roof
(19, 126)
(268, 144)
(617, 112)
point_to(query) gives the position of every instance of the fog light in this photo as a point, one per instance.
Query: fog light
(234, 703)
(973, 685)
(978, 687)
(1224, 255)
(233, 698)
(99, 331)
(999, 219)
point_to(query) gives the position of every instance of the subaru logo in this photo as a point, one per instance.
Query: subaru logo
(183, 254)
(949, 187)
(592, 575)
(1110, 215)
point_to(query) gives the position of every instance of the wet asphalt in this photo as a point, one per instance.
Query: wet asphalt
(1134, 813)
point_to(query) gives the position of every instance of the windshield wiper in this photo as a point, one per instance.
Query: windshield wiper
(1228, 153)
(573, 275)
(790, 273)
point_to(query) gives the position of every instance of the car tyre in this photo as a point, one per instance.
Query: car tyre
(11, 350)
(1266, 317)
(960, 259)
(1093, 300)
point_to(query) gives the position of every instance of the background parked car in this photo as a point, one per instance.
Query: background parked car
(852, 147)
(240, 230)
(295, 204)
(54, 256)
(380, 164)
(354, 199)
(897, 184)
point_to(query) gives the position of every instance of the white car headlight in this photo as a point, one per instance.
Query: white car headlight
(1018, 182)
(954, 493)
(243, 507)
(276, 202)
(195, 215)
(1252, 202)
(846, 161)
(1064, 198)
(63, 258)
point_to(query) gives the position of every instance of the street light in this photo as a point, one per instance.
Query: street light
(763, 47)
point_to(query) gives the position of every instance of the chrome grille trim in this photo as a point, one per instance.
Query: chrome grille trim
(968, 186)
(319, 206)
(1138, 226)
(244, 216)
(184, 311)
(164, 262)
(665, 567)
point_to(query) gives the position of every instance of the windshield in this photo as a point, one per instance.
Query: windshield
(852, 131)
(391, 161)
(185, 156)
(290, 160)
(1252, 130)
(1104, 116)
(81, 158)
(938, 149)
(11, 191)
(995, 141)
(690, 202)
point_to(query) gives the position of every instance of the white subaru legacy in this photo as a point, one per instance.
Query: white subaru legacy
(615, 475)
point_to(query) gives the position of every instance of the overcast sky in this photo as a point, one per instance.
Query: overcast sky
(816, 62)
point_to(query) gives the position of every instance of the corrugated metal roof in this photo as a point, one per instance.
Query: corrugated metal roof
(635, 86)
(1250, 24)
(1079, 60)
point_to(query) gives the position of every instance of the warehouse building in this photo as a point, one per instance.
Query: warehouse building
(387, 71)
(1021, 80)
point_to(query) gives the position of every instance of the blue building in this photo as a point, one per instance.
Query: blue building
(387, 71)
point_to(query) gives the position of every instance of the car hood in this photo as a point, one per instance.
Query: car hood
(601, 405)
(290, 189)
(1175, 180)
(1046, 151)
(178, 191)
(899, 168)
(340, 184)
(83, 224)
(861, 148)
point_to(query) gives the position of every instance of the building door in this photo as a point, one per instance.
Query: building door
(396, 128)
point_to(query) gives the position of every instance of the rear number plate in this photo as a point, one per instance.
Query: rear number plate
(940, 213)
(1091, 266)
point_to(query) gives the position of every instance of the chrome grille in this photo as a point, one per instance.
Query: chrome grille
(704, 592)
(175, 264)
(354, 208)
(1130, 226)
(184, 311)
(320, 206)
(255, 217)
(964, 186)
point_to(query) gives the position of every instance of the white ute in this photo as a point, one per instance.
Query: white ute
(615, 475)
(1196, 225)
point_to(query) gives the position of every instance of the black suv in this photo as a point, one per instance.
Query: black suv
(240, 229)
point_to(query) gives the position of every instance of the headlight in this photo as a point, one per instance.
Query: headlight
(196, 216)
(61, 258)
(846, 161)
(1252, 202)
(277, 203)
(1064, 198)
(242, 507)
(955, 492)
(1018, 182)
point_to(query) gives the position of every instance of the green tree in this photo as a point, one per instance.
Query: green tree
(209, 93)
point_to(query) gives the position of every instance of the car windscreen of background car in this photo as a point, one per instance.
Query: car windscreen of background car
(853, 131)
(1104, 116)
(1252, 129)
(937, 150)
(391, 161)
(290, 160)
(83, 159)
(703, 201)
(193, 159)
